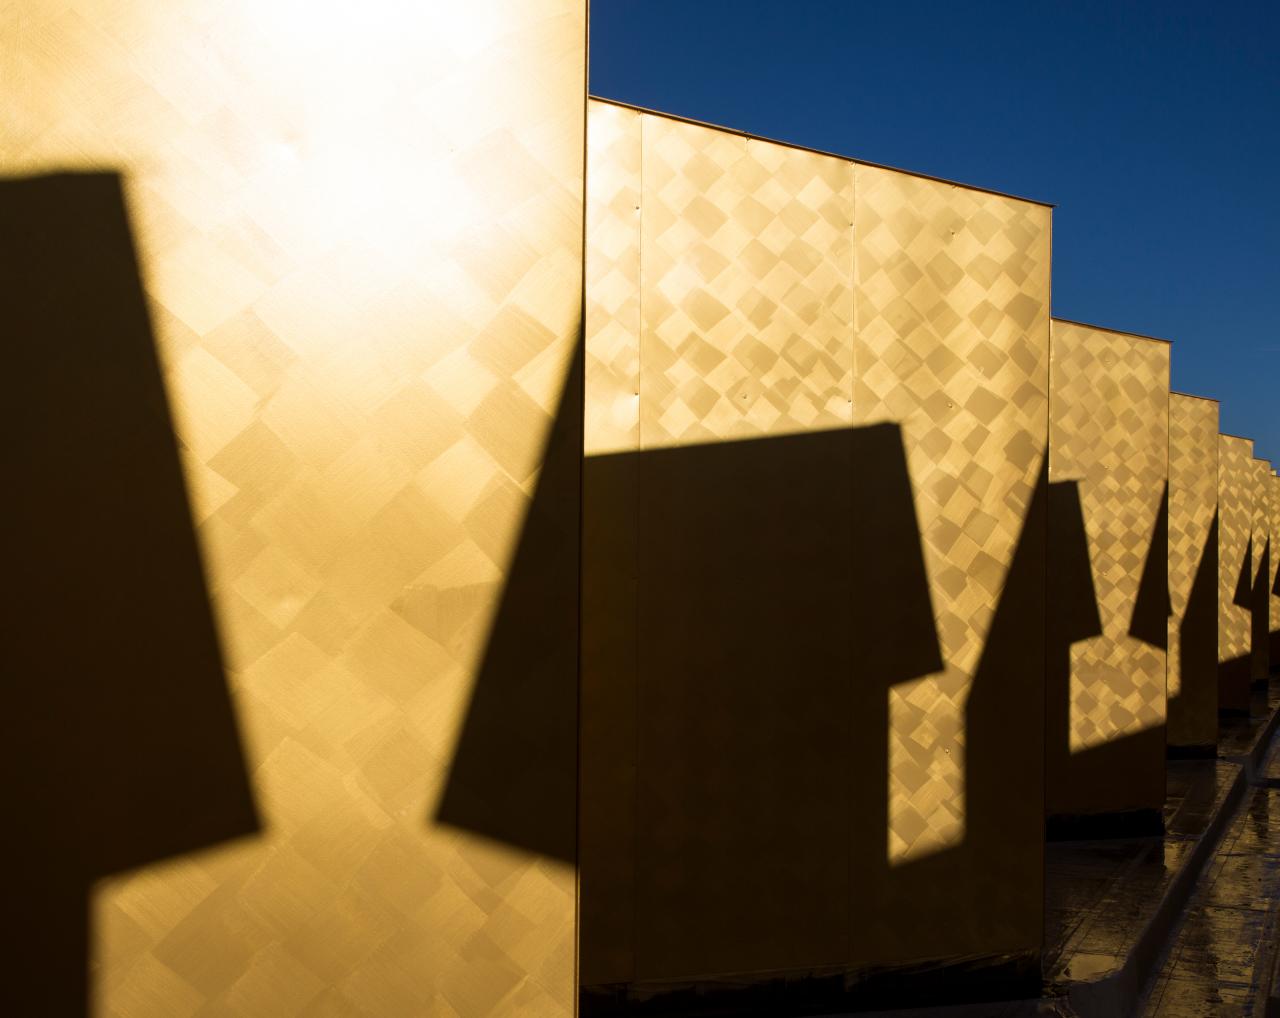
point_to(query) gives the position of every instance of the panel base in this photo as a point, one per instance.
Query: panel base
(1130, 823)
(954, 981)
(1199, 752)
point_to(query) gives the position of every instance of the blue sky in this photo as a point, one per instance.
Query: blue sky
(1155, 128)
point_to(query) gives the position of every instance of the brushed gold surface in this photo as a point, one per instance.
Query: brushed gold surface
(1260, 592)
(746, 262)
(612, 411)
(1235, 522)
(1193, 556)
(747, 255)
(607, 815)
(721, 343)
(360, 235)
(951, 341)
(797, 147)
(1109, 434)
(1274, 579)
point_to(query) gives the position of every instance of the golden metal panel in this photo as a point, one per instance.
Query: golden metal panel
(1109, 435)
(360, 237)
(741, 319)
(952, 343)
(1273, 640)
(1259, 587)
(746, 264)
(747, 258)
(607, 817)
(1193, 571)
(1235, 563)
(612, 412)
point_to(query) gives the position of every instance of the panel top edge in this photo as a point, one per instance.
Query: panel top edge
(818, 151)
(1192, 395)
(1118, 332)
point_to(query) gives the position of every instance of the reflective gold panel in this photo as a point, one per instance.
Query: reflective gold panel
(1259, 588)
(358, 232)
(1273, 642)
(747, 255)
(607, 819)
(1235, 571)
(1109, 438)
(951, 345)
(733, 281)
(803, 623)
(1193, 572)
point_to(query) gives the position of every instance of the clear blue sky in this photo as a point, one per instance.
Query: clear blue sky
(1155, 128)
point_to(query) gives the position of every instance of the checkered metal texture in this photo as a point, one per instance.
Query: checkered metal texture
(613, 280)
(950, 341)
(735, 283)
(754, 259)
(361, 243)
(1263, 553)
(1274, 585)
(607, 818)
(1109, 431)
(746, 304)
(1235, 525)
(1193, 504)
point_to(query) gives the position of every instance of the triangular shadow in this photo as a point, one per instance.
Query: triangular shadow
(1153, 606)
(124, 736)
(513, 776)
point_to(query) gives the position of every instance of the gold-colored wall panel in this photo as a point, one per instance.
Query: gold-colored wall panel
(747, 259)
(359, 232)
(612, 412)
(952, 345)
(745, 373)
(1274, 587)
(1193, 571)
(1260, 593)
(607, 819)
(748, 494)
(1108, 436)
(1235, 564)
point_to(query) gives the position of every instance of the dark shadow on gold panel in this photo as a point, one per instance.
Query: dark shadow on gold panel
(782, 593)
(1104, 767)
(1260, 610)
(1275, 633)
(1115, 789)
(122, 748)
(1234, 683)
(609, 683)
(1243, 596)
(992, 882)
(1152, 606)
(1072, 615)
(1110, 790)
(1235, 675)
(513, 777)
(1195, 708)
